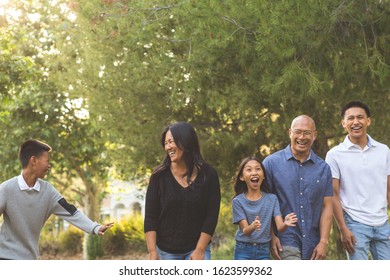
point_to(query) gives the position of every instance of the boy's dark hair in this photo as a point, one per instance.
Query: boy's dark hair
(32, 148)
(355, 104)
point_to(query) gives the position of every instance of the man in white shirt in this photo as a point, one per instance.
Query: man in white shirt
(361, 184)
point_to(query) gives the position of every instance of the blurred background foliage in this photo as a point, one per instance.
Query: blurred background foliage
(99, 79)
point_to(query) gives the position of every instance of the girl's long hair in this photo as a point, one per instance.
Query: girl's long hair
(186, 139)
(240, 186)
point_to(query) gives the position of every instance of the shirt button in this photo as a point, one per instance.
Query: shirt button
(301, 179)
(301, 206)
(303, 221)
(304, 235)
(300, 193)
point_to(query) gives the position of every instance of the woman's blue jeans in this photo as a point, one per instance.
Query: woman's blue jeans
(185, 256)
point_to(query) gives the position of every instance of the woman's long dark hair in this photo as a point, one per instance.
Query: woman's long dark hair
(186, 139)
(240, 186)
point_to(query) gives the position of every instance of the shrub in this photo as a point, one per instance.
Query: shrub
(126, 235)
(115, 242)
(48, 245)
(225, 228)
(48, 242)
(224, 251)
(71, 240)
(94, 247)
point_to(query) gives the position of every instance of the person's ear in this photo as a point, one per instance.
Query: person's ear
(33, 160)
(343, 123)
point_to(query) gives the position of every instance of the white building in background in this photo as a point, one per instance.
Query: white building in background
(124, 199)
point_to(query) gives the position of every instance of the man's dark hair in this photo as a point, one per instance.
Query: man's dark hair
(32, 148)
(355, 104)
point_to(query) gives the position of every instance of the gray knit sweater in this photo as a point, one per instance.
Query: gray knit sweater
(25, 213)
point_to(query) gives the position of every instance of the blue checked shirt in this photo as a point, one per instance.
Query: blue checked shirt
(300, 188)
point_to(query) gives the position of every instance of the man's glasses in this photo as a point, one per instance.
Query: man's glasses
(299, 132)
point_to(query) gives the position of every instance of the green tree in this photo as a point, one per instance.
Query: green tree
(240, 71)
(42, 108)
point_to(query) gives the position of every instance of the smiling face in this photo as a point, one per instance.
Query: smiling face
(302, 135)
(173, 151)
(41, 164)
(252, 175)
(355, 121)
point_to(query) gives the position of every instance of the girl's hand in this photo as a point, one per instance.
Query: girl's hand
(256, 224)
(291, 220)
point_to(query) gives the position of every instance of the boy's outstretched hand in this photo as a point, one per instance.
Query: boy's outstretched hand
(104, 228)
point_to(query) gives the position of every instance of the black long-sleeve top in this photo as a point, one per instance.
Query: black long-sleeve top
(179, 214)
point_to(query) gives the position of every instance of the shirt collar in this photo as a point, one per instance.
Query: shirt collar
(371, 142)
(290, 155)
(24, 187)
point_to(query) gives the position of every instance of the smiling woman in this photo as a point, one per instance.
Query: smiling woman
(182, 199)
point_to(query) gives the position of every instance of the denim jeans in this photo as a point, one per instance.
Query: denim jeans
(184, 256)
(375, 240)
(251, 251)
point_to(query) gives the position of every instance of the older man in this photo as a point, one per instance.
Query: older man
(302, 181)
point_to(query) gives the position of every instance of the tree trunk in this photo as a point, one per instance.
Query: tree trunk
(92, 245)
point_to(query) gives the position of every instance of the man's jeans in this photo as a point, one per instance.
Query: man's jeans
(369, 239)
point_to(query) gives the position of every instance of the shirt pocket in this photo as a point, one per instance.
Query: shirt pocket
(315, 191)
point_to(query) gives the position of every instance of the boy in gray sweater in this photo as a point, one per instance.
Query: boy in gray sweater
(27, 201)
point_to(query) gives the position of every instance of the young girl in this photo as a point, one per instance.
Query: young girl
(253, 210)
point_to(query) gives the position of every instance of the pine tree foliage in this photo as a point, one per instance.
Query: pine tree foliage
(240, 71)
